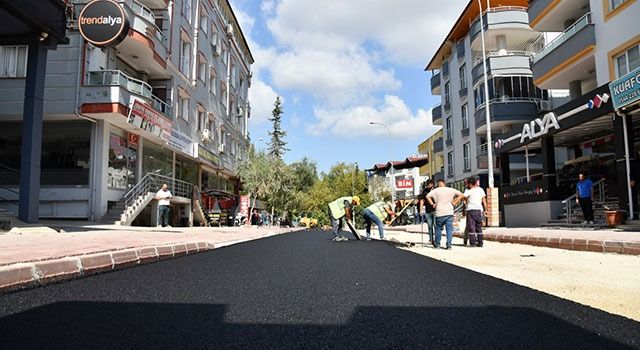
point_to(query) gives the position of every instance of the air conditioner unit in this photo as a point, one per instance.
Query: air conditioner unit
(206, 135)
(240, 111)
(221, 148)
(229, 29)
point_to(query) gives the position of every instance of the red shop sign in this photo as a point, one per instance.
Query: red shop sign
(404, 183)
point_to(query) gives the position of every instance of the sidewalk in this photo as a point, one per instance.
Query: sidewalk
(36, 255)
(603, 241)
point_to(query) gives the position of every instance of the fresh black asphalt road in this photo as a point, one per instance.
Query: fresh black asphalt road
(303, 291)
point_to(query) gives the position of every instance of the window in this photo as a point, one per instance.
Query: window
(201, 118)
(183, 107)
(121, 171)
(466, 154)
(185, 55)
(204, 21)
(447, 98)
(223, 138)
(463, 79)
(13, 61)
(628, 61)
(450, 163)
(614, 4)
(465, 116)
(449, 127)
(213, 87)
(202, 68)
(187, 10)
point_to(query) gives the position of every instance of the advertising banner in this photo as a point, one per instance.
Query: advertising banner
(626, 90)
(147, 118)
(404, 184)
(182, 143)
(244, 206)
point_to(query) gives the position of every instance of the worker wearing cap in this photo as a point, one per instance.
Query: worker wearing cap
(340, 209)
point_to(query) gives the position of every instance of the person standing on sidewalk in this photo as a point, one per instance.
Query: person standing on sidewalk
(476, 201)
(584, 196)
(427, 211)
(443, 199)
(377, 213)
(340, 209)
(164, 202)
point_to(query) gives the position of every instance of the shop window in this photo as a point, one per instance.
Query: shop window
(156, 160)
(186, 170)
(121, 171)
(65, 157)
(628, 61)
(13, 61)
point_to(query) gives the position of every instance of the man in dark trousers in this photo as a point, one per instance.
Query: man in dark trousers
(476, 201)
(584, 196)
(427, 211)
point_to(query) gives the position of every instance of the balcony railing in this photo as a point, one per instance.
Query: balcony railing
(568, 33)
(148, 15)
(133, 85)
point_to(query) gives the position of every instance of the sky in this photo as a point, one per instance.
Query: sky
(339, 64)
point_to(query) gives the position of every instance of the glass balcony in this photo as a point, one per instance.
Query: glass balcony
(435, 84)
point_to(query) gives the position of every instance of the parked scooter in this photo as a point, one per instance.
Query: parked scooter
(240, 220)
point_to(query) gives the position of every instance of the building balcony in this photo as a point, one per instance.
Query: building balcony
(112, 91)
(436, 115)
(503, 63)
(438, 146)
(145, 47)
(569, 57)
(505, 27)
(505, 113)
(155, 4)
(436, 89)
(550, 15)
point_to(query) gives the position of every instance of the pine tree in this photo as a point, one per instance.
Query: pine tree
(277, 144)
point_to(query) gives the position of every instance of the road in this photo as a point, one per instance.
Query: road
(303, 291)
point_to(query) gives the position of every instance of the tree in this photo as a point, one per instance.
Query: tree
(252, 173)
(277, 144)
(306, 174)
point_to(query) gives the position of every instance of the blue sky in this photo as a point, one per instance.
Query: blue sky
(340, 64)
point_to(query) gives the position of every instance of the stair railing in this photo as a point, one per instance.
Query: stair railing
(9, 170)
(568, 202)
(152, 182)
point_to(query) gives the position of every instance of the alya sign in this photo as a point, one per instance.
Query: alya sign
(626, 89)
(539, 127)
(103, 23)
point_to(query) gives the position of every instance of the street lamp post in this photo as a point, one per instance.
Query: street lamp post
(486, 99)
(393, 178)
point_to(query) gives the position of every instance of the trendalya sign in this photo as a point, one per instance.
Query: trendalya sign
(103, 23)
(147, 118)
(625, 90)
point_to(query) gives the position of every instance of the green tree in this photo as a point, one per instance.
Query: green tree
(306, 174)
(252, 173)
(277, 144)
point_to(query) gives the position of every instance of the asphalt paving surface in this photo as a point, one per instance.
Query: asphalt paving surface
(301, 290)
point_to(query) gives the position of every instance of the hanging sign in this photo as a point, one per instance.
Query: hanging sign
(147, 118)
(626, 89)
(103, 23)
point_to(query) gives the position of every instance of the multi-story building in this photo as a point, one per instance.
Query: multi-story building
(404, 175)
(167, 103)
(598, 42)
(432, 148)
(458, 76)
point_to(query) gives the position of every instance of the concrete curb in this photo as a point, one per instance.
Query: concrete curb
(23, 275)
(584, 245)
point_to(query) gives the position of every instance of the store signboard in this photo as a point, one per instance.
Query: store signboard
(133, 139)
(404, 184)
(244, 206)
(103, 23)
(182, 143)
(625, 90)
(207, 155)
(147, 118)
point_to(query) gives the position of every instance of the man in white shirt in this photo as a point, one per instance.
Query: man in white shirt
(164, 202)
(444, 199)
(476, 201)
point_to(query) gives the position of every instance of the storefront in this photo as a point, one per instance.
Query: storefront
(583, 136)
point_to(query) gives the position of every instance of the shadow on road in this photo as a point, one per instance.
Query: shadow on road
(91, 325)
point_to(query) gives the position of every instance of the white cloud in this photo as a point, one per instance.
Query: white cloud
(355, 121)
(262, 98)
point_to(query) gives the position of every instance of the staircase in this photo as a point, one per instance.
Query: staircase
(139, 196)
(199, 214)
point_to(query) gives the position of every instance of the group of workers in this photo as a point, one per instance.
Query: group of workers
(436, 208)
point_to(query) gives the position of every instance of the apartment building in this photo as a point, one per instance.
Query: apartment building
(597, 42)
(432, 148)
(458, 77)
(166, 103)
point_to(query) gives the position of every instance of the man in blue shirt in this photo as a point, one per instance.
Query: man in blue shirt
(583, 197)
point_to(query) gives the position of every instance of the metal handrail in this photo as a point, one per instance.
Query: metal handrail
(510, 100)
(504, 54)
(568, 202)
(499, 9)
(2, 166)
(152, 182)
(568, 33)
